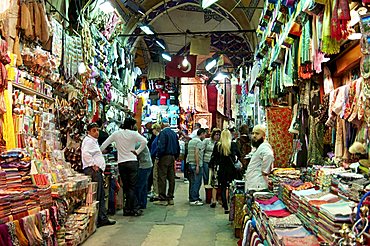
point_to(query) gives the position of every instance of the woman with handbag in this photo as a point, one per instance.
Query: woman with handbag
(225, 154)
(209, 145)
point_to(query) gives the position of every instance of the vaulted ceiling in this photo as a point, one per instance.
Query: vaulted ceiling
(179, 16)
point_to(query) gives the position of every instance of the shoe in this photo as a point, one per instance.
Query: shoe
(106, 223)
(171, 202)
(200, 200)
(162, 203)
(213, 205)
(196, 203)
(153, 199)
(186, 181)
(138, 213)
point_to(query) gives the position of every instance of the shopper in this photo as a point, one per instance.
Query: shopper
(128, 165)
(261, 162)
(94, 165)
(244, 146)
(168, 151)
(145, 168)
(197, 126)
(225, 154)
(147, 124)
(209, 145)
(156, 130)
(195, 160)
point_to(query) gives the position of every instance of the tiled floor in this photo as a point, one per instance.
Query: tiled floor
(180, 224)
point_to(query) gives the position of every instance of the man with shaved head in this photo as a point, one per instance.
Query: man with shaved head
(261, 162)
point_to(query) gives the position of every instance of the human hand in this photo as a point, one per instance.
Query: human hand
(96, 168)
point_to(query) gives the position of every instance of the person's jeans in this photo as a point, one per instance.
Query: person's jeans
(142, 186)
(97, 176)
(129, 174)
(195, 181)
(166, 171)
(205, 173)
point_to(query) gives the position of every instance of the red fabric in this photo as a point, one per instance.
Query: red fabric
(175, 68)
(307, 241)
(212, 102)
(278, 123)
(238, 89)
(163, 96)
(277, 213)
(269, 201)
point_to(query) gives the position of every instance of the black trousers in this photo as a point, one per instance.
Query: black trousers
(129, 174)
(97, 176)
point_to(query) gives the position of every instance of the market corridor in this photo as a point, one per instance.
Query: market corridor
(180, 224)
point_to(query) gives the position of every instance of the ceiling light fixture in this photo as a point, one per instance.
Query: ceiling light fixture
(221, 76)
(146, 29)
(166, 56)
(211, 64)
(185, 62)
(134, 7)
(161, 43)
(106, 7)
(207, 3)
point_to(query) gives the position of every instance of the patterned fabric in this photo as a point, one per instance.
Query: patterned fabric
(12, 233)
(278, 122)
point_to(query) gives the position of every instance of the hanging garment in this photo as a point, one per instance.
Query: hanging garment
(316, 143)
(278, 122)
(329, 45)
(340, 18)
(328, 82)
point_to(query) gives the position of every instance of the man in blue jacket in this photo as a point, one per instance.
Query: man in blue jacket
(168, 152)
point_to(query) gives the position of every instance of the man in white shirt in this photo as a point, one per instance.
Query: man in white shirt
(94, 165)
(261, 162)
(128, 164)
(197, 126)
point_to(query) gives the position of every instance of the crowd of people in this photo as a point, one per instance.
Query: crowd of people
(146, 162)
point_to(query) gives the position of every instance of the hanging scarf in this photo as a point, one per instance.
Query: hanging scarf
(330, 46)
(340, 19)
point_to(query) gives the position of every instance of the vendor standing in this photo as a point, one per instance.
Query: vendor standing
(94, 165)
(261, 162)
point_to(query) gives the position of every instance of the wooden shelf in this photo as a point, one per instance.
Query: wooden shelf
(32, 92)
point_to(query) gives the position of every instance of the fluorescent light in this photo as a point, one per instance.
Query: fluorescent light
(146, 29)
(207, 3)
(221, 76)
(211, 64)
(166, 56)
(161, 43)
(355, 36)
(140, 12)
(185, 62)
(106, 7)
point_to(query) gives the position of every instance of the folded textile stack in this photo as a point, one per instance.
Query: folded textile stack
(282, 175)
(349, 185)
(287, 189)
(17, 173)
(5, 210)
(309, 208)
(331, 217)
(3, 180)
(324, 177)
(18, 203)
(45, 197)
(277, 225)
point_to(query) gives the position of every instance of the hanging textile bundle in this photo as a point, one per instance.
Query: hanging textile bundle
(341, 17)
(329, 45)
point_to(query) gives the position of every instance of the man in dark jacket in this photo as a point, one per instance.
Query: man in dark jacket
(168, 152)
